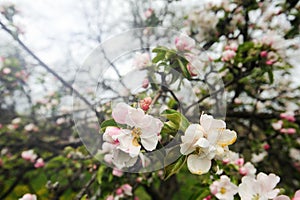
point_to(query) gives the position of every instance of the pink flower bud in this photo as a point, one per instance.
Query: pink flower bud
(207, 197)
(117, 172)
(145, 103)
(127, 189)
(39, 163)
(243, 171)
(148, 13)
(145, 83)
(288, 116)
(191, 70)
(289, 131)
(264, 54)
(225, 161)
(269, 62)
(119, 191)
(29, 155)
(239, 162)
(266, 146)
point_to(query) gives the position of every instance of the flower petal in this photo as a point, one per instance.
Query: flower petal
(192, 134)
(208, 122)
(120, 112)
(226, 137)
(198, 165)
(149, 143)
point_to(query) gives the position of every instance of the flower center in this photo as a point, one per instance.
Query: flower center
(136, 132)
(222, 190)
(255, 197)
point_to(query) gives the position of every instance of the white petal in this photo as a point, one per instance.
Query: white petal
(135, 117)
(202, 142)
(199, 166)
(226, 137)
(149, 143)
(248, 188)
(151, 129)
(192, 134)
(208, 122)
(120, 112)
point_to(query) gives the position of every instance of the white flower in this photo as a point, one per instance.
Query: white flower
(16, 120)
(256, 158)
(248, 170)
(206, 141)
(123, 145)
(227, 55)
(184, 43)
(28, 197)
(261, 188)
(141, 60)
(29, 155)
(144, 127)
(223, 189)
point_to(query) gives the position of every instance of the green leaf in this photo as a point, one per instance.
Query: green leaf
(84, 197)
(176, 118)
(184, 69)
(169, 128)
(174, 167)
(100, 174)
(105, 124)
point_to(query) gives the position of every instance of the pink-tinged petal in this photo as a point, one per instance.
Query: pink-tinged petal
(127, 189)
(120, 112)
(117, 172)
(297, 194)
(149, 143)
(136, 118)
(111, 133)
(28, 197)
(198, 165)
(122, 159)
(268, 183)
(192, 134)
(282, 197)
(154, 128)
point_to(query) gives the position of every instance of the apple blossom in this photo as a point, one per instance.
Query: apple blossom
(127, 189)
(256, 158)
(141, 60)
(282, 197)
(6, 71)
(31, 127)
(277, 125)
(288, 131)
(39, 163)
(223, 189)
(288, 116)
(263, 54)
(117, 172)
(184, 43)
(148, 12)
(110, 197)
(297, 195)
(207, 140)
(16, 121)
(260, 188)
(29, 155)
(145, 83)
(144, 128)
(145, 103)
(247, 170)
(227, 55)
(28, 197)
